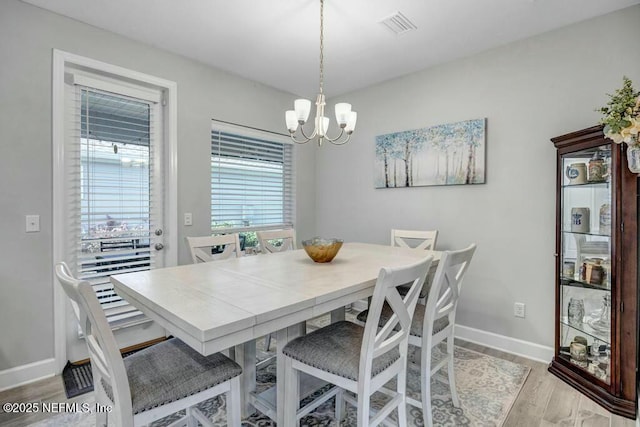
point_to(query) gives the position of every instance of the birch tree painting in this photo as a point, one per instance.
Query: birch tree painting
(447, 154)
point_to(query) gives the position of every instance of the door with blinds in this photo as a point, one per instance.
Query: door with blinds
(114, 185)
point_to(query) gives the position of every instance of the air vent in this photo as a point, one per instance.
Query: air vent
(398, 23)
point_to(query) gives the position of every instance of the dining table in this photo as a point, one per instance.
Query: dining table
(228, 304)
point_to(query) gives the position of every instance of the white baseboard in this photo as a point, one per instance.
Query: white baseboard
(24, 374)
(511, 345)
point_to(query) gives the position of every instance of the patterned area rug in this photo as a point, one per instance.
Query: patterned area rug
(487, 387)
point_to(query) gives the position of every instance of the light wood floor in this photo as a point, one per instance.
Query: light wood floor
(543, 402)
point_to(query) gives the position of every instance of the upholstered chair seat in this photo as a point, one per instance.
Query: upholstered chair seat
(331, 349)
(170, 371)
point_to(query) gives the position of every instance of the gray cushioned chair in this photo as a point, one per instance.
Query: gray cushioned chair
(152, 383)
(360, 360)
(433, 324)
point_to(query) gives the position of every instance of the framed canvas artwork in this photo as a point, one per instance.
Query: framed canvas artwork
(448, 154)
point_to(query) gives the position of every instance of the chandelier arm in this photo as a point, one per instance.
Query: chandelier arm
(293, 138)
(309, 137)
(343, 142)
(332, 140)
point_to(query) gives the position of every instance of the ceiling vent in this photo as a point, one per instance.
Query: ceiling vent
(398, 23)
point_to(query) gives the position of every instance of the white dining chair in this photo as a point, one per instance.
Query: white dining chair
(271, 241)
(433, 324)
(154, 382)
(416, 239)
(200, 248)
(356, 359)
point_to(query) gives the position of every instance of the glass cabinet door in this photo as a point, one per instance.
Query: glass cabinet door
(585, 282)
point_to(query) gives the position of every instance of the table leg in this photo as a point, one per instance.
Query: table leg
(283, 337)
(337, 315)
(246, 356)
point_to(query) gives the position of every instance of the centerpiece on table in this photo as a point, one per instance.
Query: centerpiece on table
(621, 120)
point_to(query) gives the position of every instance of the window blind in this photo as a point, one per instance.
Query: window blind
(110, 187)
(251, 181)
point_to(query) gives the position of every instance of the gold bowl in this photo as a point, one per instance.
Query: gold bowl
(322, 250)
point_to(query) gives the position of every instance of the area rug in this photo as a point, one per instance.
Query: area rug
(487, 387)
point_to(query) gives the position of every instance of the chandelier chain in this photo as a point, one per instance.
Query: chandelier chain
(321, 45)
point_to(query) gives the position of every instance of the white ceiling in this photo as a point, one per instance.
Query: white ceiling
(277, 42)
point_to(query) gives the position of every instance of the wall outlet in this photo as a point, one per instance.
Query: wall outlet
(188, 218)
(519, 309)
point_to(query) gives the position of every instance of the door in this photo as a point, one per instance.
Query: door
(114, 189)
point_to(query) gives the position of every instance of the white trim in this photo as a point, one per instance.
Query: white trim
(24, 374)
(107, 85)
(511, 345)
(61, 60)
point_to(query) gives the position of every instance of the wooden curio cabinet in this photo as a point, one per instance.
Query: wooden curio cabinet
(596, 327)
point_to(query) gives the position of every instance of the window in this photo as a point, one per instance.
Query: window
(251, 181)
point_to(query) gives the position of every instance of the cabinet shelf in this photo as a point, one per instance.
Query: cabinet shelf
(586, 329)
(598, 234)
(568, 281)
(604, 184)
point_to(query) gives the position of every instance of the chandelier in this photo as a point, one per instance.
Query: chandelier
(297, 118)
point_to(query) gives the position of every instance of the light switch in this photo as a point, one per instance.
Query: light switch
(33, 223)
(188, 219)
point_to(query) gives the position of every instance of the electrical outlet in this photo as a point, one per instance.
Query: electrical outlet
(188, 219)
(519, 309)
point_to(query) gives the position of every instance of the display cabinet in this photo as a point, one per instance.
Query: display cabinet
(596, 270)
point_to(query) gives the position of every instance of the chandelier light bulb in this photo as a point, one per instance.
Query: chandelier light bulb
(303, 108)
(291, 119)
(351, 123)
(343, 112)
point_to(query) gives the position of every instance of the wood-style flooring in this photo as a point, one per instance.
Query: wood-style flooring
(543, 402)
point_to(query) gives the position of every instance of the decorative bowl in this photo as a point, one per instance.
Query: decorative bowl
(322, 250)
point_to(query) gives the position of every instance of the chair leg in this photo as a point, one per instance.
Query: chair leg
(233, 403)
(425, 384)
(191, 420)
(451, 373)
(363, 410)
(401, 388)
(267, 342)
(340, 407)
(292, 393)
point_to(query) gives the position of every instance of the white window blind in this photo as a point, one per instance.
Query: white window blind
(109, 153)
(251, 180)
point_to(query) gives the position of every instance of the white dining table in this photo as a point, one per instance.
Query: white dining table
(229, 304)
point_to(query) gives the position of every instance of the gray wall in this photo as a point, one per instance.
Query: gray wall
(27, 37)
(529, 91)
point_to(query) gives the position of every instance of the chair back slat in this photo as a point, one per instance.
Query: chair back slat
(106, 361)
(445, 289)
(395, 332)
(286, 238)
(416, 239)
(201, 247)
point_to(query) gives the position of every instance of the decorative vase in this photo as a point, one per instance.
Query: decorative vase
(633, 158)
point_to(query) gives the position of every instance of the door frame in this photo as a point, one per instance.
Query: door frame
(62, 60)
